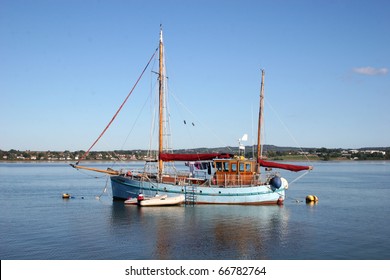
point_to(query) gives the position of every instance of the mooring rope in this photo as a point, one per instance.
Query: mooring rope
(287, 130)
(104, 190)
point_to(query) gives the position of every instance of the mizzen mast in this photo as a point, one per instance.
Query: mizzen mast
(259, 128)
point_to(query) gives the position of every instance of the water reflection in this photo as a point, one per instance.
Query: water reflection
(247, 232)
(201, 232)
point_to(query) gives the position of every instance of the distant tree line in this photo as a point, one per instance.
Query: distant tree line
(269, 151)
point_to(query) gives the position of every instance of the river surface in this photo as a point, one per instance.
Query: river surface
(350, 221)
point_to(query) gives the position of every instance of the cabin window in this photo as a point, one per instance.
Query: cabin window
(225, 166)
(248, 167)
(219, 165)
(242, 167)
(234, 167)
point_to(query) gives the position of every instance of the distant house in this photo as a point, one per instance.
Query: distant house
(375, 152)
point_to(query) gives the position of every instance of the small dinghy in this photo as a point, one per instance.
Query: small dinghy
(131, 201)
(163, 200)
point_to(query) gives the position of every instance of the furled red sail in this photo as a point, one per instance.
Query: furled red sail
(290, 167)
(192, 157)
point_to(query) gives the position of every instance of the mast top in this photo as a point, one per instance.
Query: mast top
(161, 33)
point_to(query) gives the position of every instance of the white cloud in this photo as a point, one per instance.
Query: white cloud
(371, 71)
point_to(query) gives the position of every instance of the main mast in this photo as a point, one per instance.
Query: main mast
(259, 144)
(161, 101)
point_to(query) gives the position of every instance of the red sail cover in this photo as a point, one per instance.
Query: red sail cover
(192, 157)
(290, 167)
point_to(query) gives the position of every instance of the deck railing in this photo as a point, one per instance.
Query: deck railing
(184, 178)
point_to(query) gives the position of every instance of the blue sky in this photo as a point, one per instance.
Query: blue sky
(66, 66)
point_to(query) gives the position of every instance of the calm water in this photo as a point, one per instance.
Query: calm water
(351, 220)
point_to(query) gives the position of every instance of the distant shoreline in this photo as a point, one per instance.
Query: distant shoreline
(270, 152)
(141, 160)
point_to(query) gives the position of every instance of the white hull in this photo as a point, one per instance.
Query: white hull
(131, 201)
(163, 201)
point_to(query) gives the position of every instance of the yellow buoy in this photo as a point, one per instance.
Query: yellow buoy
(311, 198)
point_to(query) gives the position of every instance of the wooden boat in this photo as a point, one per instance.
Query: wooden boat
(211, 178)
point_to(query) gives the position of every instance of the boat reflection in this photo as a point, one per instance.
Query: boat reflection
(201, 232)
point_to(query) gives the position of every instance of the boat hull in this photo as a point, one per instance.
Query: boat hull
(124, 188)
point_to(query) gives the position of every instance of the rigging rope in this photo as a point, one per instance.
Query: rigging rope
(299, 177)
(117, 112)
(134, 123)
(202, 124)
(288, 130)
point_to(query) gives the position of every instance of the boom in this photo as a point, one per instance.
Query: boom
(108, 171)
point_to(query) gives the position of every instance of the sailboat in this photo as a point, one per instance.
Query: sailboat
(211, 178)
